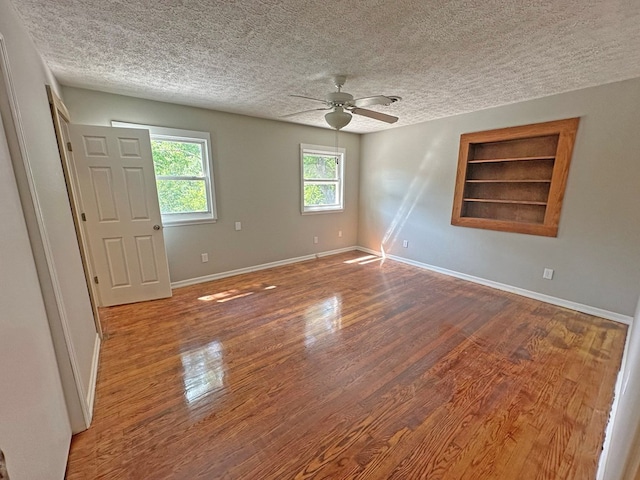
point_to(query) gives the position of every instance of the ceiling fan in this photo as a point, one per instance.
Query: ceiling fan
(342, 105)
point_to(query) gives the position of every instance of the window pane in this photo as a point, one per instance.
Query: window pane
(320, 194)
(320, 167)
(180, 196)
(177, 158)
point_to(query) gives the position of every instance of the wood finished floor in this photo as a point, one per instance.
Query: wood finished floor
(335, 368)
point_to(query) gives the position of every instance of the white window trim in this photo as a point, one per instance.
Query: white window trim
(165, 133)
(306, 148)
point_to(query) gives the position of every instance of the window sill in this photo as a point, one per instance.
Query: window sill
(183, 223)
(315, 212)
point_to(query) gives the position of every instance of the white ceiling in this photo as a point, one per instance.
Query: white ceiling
(443, 57)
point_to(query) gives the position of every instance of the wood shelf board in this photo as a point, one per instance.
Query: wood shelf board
(514, 202)
(506, 226)
(510, 171)
(497, 180)
(512, 159)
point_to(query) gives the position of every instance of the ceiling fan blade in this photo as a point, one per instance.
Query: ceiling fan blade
(383, 117)
(309, 98)
(375, 100)
(304, 111)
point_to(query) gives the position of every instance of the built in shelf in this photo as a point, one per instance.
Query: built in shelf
(513, 179)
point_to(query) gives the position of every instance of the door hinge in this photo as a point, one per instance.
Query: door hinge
(95, 279)
(84, 217)
(69, 147)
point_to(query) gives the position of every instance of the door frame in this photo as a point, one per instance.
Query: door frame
(59, 113)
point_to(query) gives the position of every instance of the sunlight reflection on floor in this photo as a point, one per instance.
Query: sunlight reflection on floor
(361, 259)
(322, 318)
(204, 370)
(232, 294)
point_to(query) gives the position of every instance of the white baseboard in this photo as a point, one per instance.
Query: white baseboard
(255, 268)
(91, 394)
(579, 307)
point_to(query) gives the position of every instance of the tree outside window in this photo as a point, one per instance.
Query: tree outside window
(184, 174)
(322, 184)
(180, 176)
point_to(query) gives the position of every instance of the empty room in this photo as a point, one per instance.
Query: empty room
(283, 239)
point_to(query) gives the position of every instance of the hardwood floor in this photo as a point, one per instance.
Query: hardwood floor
(337, 368)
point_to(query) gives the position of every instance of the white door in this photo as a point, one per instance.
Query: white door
(117, 184)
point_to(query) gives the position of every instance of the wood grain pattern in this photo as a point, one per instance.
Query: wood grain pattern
(348, 367)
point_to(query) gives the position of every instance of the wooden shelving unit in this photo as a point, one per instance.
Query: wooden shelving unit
(513, 179)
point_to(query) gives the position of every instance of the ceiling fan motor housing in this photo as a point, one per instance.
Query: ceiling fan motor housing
(339, 98)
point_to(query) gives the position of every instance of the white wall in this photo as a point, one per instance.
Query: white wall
(622, 450)
(406, 192)
(47, 212)
(34, 427)
(257, 174)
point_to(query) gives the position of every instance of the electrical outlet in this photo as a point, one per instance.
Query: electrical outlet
(315, 239)
(548, 274)
(205, 257)
(238, 226)
(405, 243)
(339, 233)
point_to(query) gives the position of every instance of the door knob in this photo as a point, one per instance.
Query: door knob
(156, 227)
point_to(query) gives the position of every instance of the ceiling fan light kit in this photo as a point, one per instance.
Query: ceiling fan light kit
(338, 118)
(343, 105)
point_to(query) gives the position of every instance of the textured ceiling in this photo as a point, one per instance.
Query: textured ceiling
(442, 57)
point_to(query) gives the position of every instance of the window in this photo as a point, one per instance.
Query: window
(184, 174)
(322, 171)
